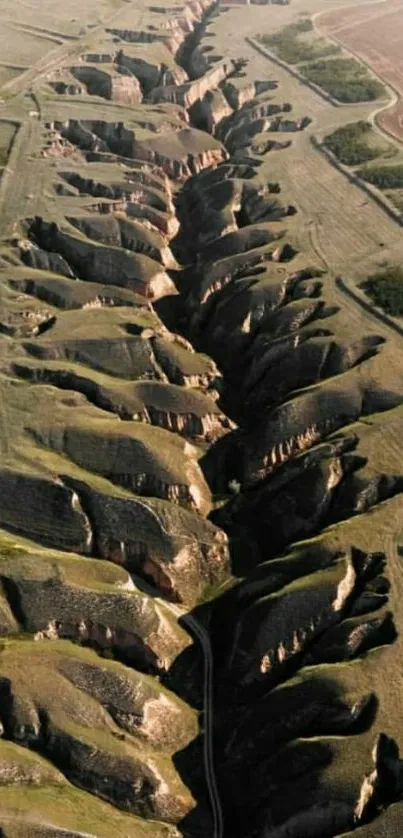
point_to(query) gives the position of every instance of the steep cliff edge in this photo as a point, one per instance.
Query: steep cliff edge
(201, 478)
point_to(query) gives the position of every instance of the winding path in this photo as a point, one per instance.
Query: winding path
(208, 707)
(208, 740)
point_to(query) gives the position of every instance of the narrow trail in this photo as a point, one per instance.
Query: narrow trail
(195, 628)
(208, 705)
(208, 741)
(28, 142)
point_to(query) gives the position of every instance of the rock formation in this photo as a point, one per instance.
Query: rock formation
(201, 476)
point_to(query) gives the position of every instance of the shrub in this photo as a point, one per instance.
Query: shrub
(348, 144)
(287, 45)
(386, 289)
(384, 177)
(344, 79)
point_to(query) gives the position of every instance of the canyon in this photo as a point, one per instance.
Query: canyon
(201, 480)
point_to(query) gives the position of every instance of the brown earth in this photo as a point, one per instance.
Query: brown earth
(201, 487)
(374, 33)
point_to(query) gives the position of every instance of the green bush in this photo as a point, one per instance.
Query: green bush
(348, 144)
(344, 79)
(287, 45)
(386, 289)
(384, 177)
(303, 25)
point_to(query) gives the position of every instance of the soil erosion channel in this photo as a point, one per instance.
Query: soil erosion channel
(201, 474)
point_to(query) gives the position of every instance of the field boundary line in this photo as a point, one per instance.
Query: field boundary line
(355, 295)
(294, 72)
(337, 103)
(357, 181)
(16, 148)
(394, 94)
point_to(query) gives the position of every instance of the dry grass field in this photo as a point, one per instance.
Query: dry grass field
(46, 17)
(7, 135)
(39, 30)
(85, 369)
(338, 225)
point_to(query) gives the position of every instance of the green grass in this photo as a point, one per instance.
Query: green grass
(288, 45)
(26, 759)
(72, 809)
(349, 144)
(56, 653)
(384, 177)
(345, 80)
(386, 289)
(19, 561)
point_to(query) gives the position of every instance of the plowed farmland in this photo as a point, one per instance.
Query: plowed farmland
(374, 32)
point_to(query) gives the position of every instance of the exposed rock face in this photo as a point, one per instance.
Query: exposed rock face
(111, 265)
(183, 153)
(189, 93)
(78, 730)
(104, 502)
(213, 108)
(95, 605)
(118, 231)
(36, 258)
(172, 30)
(63, 294)
(190, 153)
(201, 471)
(237, 94)
(182, 554)
(48, 506)
(325, 602)
(144, 195)
(185, 411)
(119, 87)
(151, 75)
(145, 459)
(29, 788)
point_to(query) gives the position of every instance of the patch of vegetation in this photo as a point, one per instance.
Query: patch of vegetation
(345, 80)
(384, 177)
(290, 48)
(386, 289)
(73, 809)
(349, 144)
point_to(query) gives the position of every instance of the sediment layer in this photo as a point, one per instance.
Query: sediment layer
(192, 433)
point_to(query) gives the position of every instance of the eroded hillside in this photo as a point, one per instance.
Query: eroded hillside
(201, 472)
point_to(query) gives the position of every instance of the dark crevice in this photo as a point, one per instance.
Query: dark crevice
(12, 593)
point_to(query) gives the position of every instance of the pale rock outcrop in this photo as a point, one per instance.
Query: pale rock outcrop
(187, 94)
(120, 86)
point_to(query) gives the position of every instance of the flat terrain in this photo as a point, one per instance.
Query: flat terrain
(338, 225)
(8, 131)
(374, 33)
(195, 398)
(36, 35)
